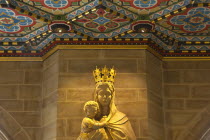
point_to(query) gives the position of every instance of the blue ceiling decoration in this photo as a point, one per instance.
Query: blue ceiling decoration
(170, 28)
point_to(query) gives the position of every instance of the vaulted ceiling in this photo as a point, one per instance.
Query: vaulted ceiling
(170, 28)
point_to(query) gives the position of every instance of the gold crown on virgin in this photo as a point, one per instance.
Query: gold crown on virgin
(104, 75)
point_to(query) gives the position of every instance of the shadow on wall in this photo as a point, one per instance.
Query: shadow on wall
(10, 129)
(198, 128)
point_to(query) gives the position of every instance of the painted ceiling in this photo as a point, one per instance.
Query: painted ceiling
(169, 27)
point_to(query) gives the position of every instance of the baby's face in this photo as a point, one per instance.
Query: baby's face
(91, 111)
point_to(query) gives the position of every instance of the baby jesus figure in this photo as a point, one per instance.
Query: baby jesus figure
(89, 124)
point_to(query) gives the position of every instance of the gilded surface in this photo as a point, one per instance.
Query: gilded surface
(112, 124)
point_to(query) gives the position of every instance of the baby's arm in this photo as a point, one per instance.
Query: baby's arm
(94, 124)
(98, 125)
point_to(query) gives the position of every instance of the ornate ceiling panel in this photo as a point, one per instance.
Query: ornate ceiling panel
(195, 21)
(13, 23)
(56, 7)
(102, 23)
(168, 27)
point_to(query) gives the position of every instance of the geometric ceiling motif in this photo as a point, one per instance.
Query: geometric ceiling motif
(193, 20)
(169, 9)
(102, 21)
(24, 38)
(17, 24)
(144, 6)
(56, 7)
(11, 22)
(169, 27)
(187, 37)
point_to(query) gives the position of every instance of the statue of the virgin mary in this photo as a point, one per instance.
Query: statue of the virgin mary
(118, 126)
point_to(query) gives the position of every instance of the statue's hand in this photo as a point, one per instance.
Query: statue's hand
(104, 118)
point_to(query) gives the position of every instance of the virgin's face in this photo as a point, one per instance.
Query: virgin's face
(104, 97)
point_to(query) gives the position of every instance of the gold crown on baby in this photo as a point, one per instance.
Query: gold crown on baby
(104, 75)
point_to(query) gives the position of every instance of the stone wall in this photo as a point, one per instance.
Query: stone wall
(187, 98)
(20, 99)
(50, 97)
(44, 100)
(154, 97)
(76, 86)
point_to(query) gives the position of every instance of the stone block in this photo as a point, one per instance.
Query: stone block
(124, 53)
(12, 105)
(76, 81)
(62, 95)
(172, 76)
(155, 99)
(49, 113)
(133, 109)
(155, 74)
(31, 119)
(122, 95)
(176, 91)
(21, 136)
(51, 60)
(30, 92)
(79, 54)
(73, 127)
(34, 133)
(88, 65)
(200, 125)
(175, 104)
(83, 95)
(8, 124)
(50, 86)
(130, 81)
(155, 112)
(143, 94)
(173, 133)
(156, 131)
(178, 118)
(202, 91)
(186, 65)
(6, 65)
(30, 65)
(144, 130)
(155, 86)
(141, 65)
(135, 124)
(196, 76)
(70, 109)
(32, 105)
(52, 98)
(189, 136)
(33, 77)
(11, 77)
(63, 65)
(51, 70)
(196, 104)
(49, 131)
(61, 128)
(8, 91)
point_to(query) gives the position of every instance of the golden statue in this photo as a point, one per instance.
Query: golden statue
(117, 125)
(89, 124)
